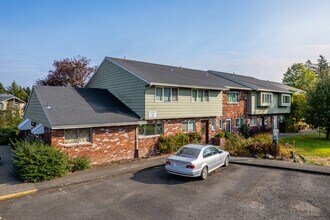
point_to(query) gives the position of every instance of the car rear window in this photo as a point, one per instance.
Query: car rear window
(188, 152)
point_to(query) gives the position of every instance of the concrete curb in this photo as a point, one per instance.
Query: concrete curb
(294, 167)
(16, 195)
(94, 179)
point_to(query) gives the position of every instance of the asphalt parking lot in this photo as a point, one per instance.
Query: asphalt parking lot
(235, 192)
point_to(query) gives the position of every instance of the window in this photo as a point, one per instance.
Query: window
(167, 94)
(286, 99)
(200, 95)
(151, 129)
(2, 106)
(194, 95)
(206, 95)
(188, 152)
(77, 136)
(207, 152)
(233, 97)
(188, 126)
(239, 122)
(253, 121)
(220, 123)
(175, 94)
(213, 125)
(266, 98)
(164, 94)
(159, 94)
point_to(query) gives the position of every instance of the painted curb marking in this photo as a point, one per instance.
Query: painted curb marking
(16, 195)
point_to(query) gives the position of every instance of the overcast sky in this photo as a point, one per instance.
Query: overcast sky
(257, 38)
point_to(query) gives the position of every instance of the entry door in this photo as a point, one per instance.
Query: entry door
(205, 130)
(228, 125)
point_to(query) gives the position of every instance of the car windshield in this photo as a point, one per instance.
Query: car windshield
(188, 152)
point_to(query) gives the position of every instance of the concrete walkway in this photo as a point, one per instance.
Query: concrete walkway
(8, 191)
(277, 164)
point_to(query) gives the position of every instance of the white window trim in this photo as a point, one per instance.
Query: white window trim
(215, 124)
(156, 94)
(266, 103)
(79, 143)
(256, 121)
(203, 98)
(208, 95)
(282, 100)
(240, 124)
(221, 124)
(171, 98)
(191, 95)
(237, 97)
(189, 121)
(153, 135)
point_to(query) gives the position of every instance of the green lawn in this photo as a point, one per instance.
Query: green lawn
(312, 147)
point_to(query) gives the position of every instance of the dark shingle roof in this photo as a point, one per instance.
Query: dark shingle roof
(255, 84)
(70, 107)
(158, 74)
(4, 97)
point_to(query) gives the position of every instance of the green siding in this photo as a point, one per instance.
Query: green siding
(254, 109)
(34, 111)
(184, 108)
(128, 88)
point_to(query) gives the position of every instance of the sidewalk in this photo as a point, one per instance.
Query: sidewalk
(8, 191)
(277, 164)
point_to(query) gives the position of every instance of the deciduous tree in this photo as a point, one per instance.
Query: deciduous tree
(68, 72)
(301, 77)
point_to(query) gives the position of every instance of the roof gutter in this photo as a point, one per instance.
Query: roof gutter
(276, 91)
(187, 86)
(97, 125)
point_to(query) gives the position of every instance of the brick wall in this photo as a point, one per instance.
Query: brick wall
(148, 145)
(108, 144)
(117, 143)
(234, 110)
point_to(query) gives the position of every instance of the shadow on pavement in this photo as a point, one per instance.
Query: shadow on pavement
(7, 175)
(158, 175)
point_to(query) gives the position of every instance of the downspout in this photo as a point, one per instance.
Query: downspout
(136, 145)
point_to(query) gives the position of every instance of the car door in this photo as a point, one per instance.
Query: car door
(208, 158)
(220, 158)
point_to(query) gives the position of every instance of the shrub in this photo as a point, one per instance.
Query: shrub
(169, 144)
(221, 134)
(80, 163)
(7, 134)
(236, 144)
(34, 162)
(244, 130)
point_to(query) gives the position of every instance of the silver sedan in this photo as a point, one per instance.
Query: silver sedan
(196, 160)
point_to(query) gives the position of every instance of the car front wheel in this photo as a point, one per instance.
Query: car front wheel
(204, 173)
(227, 162)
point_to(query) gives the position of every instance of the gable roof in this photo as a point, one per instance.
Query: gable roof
(254, 83)
(67, 107)
(5, 97)
(165, 75)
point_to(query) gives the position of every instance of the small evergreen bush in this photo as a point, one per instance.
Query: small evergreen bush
(34, 162)
(7, 134)
(80, 163)
(244, 130)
